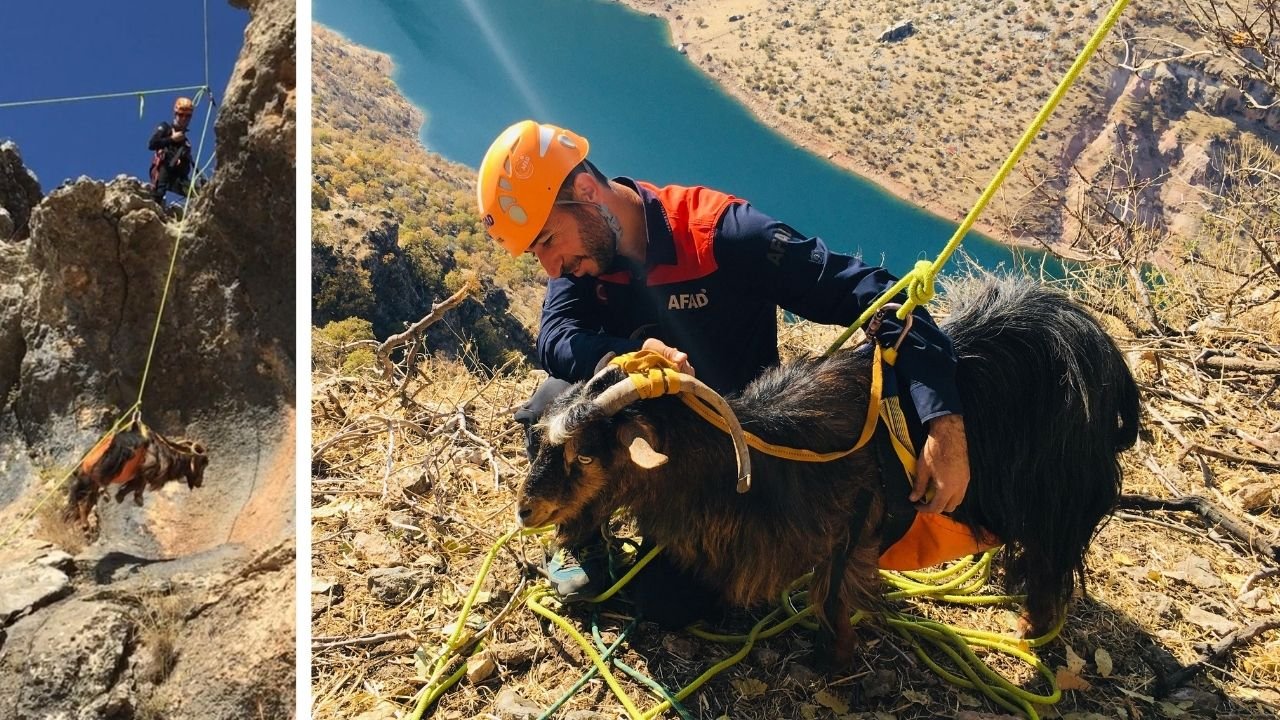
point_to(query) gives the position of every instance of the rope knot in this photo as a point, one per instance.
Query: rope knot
(653, 374)
(920, 289)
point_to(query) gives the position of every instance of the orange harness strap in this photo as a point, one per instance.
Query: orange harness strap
(934, 539)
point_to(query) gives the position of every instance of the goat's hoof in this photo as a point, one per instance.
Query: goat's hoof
(828, 660)
(1030, 627)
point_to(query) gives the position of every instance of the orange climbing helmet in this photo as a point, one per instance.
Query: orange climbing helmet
(519, 178)
(183, 106)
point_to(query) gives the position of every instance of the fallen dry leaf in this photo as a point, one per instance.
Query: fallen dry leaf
(1102, 659)
(337, 506)
(912, 696)
(831, 702)
(749, 687)
(1068, 680)
(1075, 663)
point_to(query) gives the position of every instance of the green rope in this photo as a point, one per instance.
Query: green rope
(654, 685)
(120, 422)
(104, 96)
(607, 654)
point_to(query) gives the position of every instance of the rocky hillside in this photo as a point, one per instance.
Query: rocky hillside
(932, 113)
(182, 607)
(394, 227)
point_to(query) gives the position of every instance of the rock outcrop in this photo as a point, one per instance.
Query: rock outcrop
(83, 278)
(19, 193)
(897, 31)
(386, 255)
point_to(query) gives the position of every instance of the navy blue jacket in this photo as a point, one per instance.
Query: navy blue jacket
(177, 153)
(716, 270)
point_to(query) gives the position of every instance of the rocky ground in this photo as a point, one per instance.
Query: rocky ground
(183, 606)
(410, 497)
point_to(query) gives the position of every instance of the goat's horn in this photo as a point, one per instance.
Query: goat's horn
(712, 398)
(617, 396)
(624, 392)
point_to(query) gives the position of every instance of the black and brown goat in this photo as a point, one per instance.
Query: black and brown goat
(135, 458)
(1048, 402)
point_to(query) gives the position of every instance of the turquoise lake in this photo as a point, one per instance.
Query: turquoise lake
(612, 75)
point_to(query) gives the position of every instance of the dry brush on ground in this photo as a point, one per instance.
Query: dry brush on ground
(415, 478)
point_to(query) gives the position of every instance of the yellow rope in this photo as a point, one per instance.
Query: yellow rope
(960, 582)
(192, 193)
(957, 583)
(919, 282)
(654, 376)
(136, 408)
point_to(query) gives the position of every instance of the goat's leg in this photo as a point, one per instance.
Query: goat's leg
(86, 503)
(836, 640)
(1041, 612)
(1048, 576)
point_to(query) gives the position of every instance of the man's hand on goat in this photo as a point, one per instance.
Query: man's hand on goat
(679, 357)
(944, 465)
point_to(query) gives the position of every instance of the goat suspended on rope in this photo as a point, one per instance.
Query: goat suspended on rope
(134, 458)
(1049, 403)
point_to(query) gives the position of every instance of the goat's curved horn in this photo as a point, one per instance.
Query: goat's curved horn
(617, 396)
(624, 392)
(711, 397)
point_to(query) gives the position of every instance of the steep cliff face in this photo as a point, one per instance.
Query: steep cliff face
(19, 192)
(166, 588)
(1165, 129)
(391, 221)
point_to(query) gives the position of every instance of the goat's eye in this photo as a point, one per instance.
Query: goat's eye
(585, 459)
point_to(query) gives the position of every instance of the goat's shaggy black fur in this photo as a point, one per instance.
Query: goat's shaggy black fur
(1049, 403)
(1048, 399)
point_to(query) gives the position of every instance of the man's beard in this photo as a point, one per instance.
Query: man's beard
(598, 242)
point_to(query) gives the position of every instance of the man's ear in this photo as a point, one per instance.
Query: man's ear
(586, 188)
(640, 439)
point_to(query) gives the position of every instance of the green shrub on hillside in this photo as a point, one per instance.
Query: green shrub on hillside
(343, 345)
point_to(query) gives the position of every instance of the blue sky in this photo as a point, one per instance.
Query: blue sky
(90, 47)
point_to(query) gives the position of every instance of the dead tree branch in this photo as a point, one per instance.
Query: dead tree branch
(438, 310)
(1214, 656)
(1213, 515)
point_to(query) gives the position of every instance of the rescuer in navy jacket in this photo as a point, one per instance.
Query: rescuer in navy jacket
(697, 275)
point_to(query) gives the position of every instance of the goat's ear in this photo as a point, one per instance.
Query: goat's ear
(639, 439)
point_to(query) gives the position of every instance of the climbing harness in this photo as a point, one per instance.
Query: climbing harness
(654, 376)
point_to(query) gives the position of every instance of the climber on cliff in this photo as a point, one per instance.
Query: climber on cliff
(171, 162)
